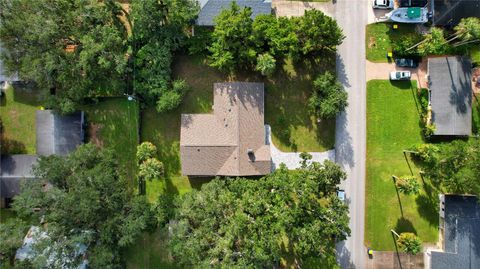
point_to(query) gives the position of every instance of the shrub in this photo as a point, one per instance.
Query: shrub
(145, 151)
(407, 185)
(266, 64)
(409, 243)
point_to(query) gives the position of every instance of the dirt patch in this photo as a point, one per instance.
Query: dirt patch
(476, 80)
(94, 134)
(372, 42)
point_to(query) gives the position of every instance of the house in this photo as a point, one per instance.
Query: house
(232, 140)
(209, 9)
(459, 233)
(55, 134)
(450, 95)
(450, 12)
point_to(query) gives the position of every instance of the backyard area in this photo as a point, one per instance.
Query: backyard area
(381, 36)
(113, 124)
(17, 110)
(393, 126)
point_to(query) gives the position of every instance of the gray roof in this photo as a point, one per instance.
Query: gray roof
(461, 234)
(211, 8)
(14, 168)
(451, 95)
(58, 134)
(450, 12)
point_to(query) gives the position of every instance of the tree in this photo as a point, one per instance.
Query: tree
(242, 223)
(266, 64)
(409, 243)
(159, 29)
(92, 205)
(434, 43)
(71, 50)
(275, 36)
(328, 96)
(407, 184)
(12, 233)
(468, 30)
(145, 150)
(231, 47)
(151, 169)
(318, 32)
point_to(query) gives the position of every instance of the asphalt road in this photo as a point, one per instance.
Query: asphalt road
(350, 136)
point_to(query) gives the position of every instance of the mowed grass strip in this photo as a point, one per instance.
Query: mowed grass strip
(17, 112)
(113, 124)
(393, 126)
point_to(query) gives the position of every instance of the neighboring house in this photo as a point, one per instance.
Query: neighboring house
(450, 85)
(231, 141)
(450, 12)
(209, 9)
(55, 259)
(459, 234)
(55, 134)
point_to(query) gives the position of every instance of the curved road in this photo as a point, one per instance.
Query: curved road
(350, 136)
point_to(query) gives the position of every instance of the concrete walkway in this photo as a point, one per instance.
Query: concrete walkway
(292, 159)
(382, 71)
(297, 8)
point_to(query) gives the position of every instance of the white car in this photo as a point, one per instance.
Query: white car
(383, 4)
(400, 75)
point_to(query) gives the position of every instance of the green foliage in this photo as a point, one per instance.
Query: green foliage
(266, 64)
(12, 233)
(239, 42)
(428, 153)
(434, 43)
(401, 48)
(409, 243)
(244, 223)
(91, 204)
(159, 29)
(423, 96)
(199, 43)
(94, 65)
(317, 32)
(468, 29)
(407, 185)
(328, 97)
(151, 169)
(145, 151)
(429, 130)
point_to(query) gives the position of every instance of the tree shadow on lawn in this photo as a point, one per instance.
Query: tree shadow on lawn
(404, 226)
(10, 146)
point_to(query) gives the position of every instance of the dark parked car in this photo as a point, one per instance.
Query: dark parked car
(406, 63)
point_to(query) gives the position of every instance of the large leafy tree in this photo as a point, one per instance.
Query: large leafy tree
(159, 29)
(84, 199)
(328, 96)
(72, 49)
(242, 223)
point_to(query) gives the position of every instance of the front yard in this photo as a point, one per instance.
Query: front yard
(381, 36)
(393, 126)
(17, 112)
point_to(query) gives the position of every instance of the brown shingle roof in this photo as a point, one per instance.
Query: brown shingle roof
(218, 144)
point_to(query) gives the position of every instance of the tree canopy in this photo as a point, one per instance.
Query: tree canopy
(242, 223)
(72, 49)
(84, 199)
(328, 97)
(240, 42)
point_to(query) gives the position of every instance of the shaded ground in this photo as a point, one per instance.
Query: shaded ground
(17, 114)
(113, 124)
(380, 37)
(394, 260)
(393, 126)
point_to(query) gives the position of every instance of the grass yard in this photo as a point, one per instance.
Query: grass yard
(381, 36)
(17, 113)
(392, 126)
(113, 123)
(475, 54)
(476, 114)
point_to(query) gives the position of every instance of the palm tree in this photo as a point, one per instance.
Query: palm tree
(408, 242)
(407, 184)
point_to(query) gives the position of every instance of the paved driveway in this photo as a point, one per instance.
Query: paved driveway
(350, 136)
(292, 159)
(297, 8)
(382, 71)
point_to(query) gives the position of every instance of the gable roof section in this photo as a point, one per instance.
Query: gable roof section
(218, 144)
(461, 234)
(450, 12)
(58, 134)
(14, 168)
(211, 8)
(451, 95)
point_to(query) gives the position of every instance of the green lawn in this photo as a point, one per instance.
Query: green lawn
(113, 124)
(392, 126)
(476, 114)
(475, 54)
(381, 36)
(17, 112)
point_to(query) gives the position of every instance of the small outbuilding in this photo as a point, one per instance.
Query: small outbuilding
(450, 85)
